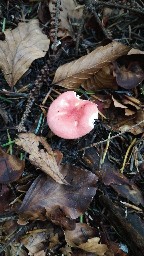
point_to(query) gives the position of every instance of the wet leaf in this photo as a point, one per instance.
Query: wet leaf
(79, 235)
(127, 123)
(21, 47)
(83, 237)
(129, 77)
(75, 73)
(5, 198)
(93, 245)
(101, 80)
(34, 241)
(61, 203)
(11, 167)
(41, 155)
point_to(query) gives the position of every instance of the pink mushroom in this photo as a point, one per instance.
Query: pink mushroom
(70, 117)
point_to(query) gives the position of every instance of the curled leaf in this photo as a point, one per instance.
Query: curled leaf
(75, 73)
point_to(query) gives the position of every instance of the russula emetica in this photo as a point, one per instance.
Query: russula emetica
(70, 117)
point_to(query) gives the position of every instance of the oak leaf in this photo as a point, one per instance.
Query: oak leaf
(21, 47)
(75, 73)
(41, 155)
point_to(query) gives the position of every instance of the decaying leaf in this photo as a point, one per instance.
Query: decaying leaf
(69, 11)
(5, 198)
(34, 242)
(75, 73)
(101, 80)
(59, 202)
(127, 123)
(41, 155)
(93, 245)
(118, 104)
(80, 234)
(21, 47)
(83, 237)
(129, 77)
(11, 167)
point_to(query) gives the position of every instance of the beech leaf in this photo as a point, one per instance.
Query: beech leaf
(75, 73)
(21, 47)
(41, 155)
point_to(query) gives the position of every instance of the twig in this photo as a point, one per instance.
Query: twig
(113, 137)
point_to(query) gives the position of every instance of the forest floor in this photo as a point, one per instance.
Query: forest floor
(81, 196)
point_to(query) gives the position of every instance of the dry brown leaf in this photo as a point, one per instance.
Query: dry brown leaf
(11, 167)
(21, 47)
(101, 80)
(75, 73)
(34, 240)
(117, 104)
(60, 203)
(70, 10)
(130, 122)
(83, 237)
(93, 245)
(79, 235)
(42, 158)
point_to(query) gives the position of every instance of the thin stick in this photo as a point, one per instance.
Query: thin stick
(126, 155)
(113, 137)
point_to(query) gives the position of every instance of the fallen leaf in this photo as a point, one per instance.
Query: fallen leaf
(129, 77)
(21, 47)
(41, 155)
(11, 167)
(117, 104)
(68, 12)
(34, 241)
(127, 123)
(48, 198)
(75, 73)
(5, 198)
(111, 176)
(79, 235)
(101, 80)
(93, 245)
(83, 237)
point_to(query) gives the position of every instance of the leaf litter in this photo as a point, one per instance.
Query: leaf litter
(84, 197)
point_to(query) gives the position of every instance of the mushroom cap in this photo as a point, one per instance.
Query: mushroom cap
(70, 117)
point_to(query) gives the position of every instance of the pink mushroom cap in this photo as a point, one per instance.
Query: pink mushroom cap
(69, 117)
